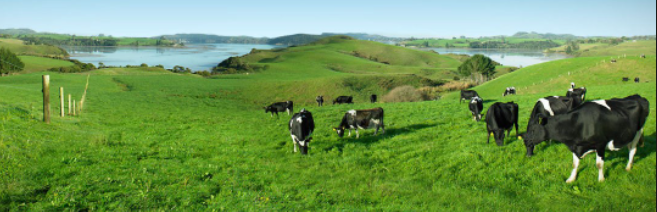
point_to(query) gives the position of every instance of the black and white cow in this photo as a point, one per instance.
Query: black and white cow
(613, 61)
(320, 101)
(467, 95)
(578, 94)
(280, 107)
(373, 98)
(510, 91)
(553, 105)
(636, 80)
(643, 56)
(301, 128)
(343, 100)
(594, 127)
(499, 118)
(477, 108)
(625, 79)
(361, 119)
(572, 85)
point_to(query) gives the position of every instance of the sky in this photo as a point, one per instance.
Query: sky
(408, 18)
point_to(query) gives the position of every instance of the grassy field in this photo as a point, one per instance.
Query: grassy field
(36, 64)
(152, 140)
(629, 48)
(19, 48)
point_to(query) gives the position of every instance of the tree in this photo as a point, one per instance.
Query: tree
(478, 64)
(9, 62)
(569, 50)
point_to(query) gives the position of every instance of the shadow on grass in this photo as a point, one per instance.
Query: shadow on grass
(641, 152)
(367, 136)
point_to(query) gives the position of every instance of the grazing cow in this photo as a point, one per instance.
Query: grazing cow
(499, 118)
(625, 79)
(467, 95)
(594, 127)
(643, 55)
(301, 128)
(613, 60)
(510, 91)
(572, 85)
(551, 106)
(320, 101)
(636, 80)
(363, 119)
(373, 98)
(476, 107)
(280, 107)
(344, 100)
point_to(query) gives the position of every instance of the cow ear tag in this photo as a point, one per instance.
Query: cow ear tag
(519, 137)
(334, 129)
(492, 134)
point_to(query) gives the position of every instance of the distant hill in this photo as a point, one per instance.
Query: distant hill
(17, 31)
(205, 38)
(549, 36)
(288, 40)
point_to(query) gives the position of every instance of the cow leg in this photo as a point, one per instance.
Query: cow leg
(600, 162)
(573, 174)
(349, 132)
(357, 134)
(294, 143)
(632, 147)
(488, 140)
(288, 111)
(376, 131)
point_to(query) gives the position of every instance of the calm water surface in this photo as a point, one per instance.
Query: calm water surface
(508, 57)
(194, 56)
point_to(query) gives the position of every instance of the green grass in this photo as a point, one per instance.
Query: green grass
(149, 140)
(465, 42)
(19, 48)
(629, 48)
(35, 64)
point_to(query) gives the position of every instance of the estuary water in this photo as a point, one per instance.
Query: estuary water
(197, 57)
(507, 57)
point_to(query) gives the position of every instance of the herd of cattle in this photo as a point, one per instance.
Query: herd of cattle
(585, 127)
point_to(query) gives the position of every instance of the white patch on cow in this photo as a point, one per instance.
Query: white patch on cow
(571, 90)
(546, 105)
(611, 146)
(600, 164)
(632, 147)
(602, 103)
(302, 143)
(352, 112)
(299, 120)
(586, 153)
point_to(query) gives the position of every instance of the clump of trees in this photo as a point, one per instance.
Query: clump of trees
(9, 62)
(77, 67)
(235, 65)
(478, 67)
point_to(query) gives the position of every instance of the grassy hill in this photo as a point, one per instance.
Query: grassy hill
(19, 48)
(151, 140)
(36, 64)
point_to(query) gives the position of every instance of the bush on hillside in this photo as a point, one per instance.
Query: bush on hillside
(478, 64)
(9, 62)
(404, 93)
(232, 65)
(76, 68)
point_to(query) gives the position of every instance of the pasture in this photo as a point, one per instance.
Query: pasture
(151, 140)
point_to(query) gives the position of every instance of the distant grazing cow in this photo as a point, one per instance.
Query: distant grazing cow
(361, 119)
(594, 127)
(301, 128)
(510, 91)
(467, 95)
(476, 107)
(280, 107)
(499, 118)
(373, 98)
(613, 60)
(636, 80)
(643, 56)
(625, 79)
(343, 100)
(320, 101)
(578, 95)
(572, 85)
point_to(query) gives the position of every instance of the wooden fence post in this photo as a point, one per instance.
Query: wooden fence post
(46, 98)
(69, 104)
(61, 101)
(73, 107)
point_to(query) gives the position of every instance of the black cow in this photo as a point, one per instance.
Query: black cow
(476, 107)
(363, 119)
(613, 61)
(499, 118)
(467, 95)
(510, 91)
(301, 128)
(594, 127)
(320, 101)
(344, 100)
(636, 80)
(625, 79)
(373, 98)
(280, 107)
(553, 105)
(578, 94)
(643, 56)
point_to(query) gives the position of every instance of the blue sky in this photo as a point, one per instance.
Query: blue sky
(275, 18)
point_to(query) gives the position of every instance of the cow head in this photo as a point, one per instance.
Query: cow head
(267, 109)
(536, 133)
(340, 131)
